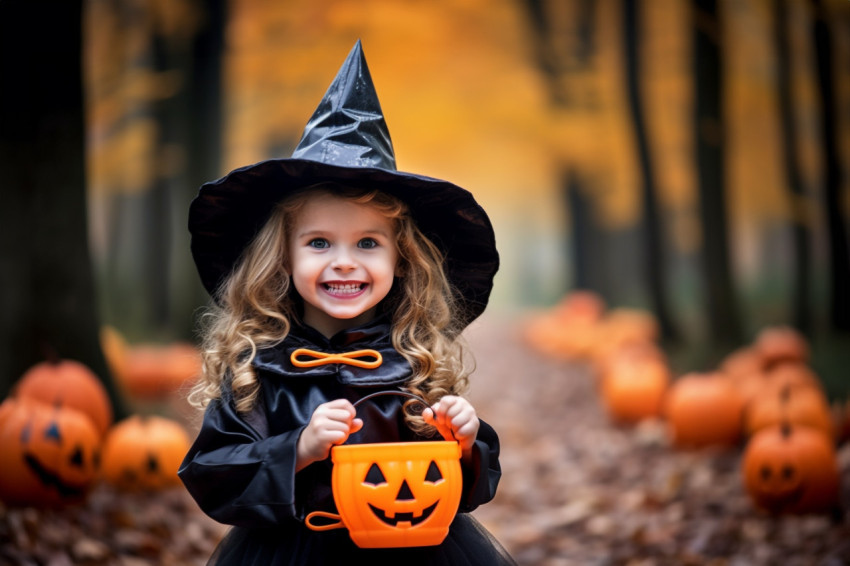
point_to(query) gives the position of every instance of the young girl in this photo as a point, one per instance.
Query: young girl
(334, 251)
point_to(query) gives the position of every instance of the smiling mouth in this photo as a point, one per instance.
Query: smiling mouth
(403, 517)
(344, 289)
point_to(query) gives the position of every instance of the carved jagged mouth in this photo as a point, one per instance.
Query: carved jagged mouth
(776, 502)
(403, 517)
(51, 479)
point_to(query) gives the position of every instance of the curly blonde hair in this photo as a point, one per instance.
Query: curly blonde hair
(256, 307)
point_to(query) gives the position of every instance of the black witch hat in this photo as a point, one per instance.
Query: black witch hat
(345, 142)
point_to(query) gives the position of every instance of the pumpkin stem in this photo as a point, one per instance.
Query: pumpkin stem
(49, 352)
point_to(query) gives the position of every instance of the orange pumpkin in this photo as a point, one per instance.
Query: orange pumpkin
(750, 386)
(626, 326)
(154, 371)
(792, 374)
(550, 336)
(397, 494)
(144, 453)
(48, 454)
(799, 405)
(580, 306)
(71, 384)
(633, 384)
(569, 330)
(704, 409)
(778, 344)
(741, 362)
(18, 485)
(791, 469)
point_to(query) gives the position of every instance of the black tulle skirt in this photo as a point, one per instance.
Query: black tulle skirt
(468, 543)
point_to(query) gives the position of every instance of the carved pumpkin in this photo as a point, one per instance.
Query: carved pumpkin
(144, 453)
(799, 405)
(18, 485)
(71, 384)
(703, 410)
(633, 384)
(397, 494)
(791, 469)
(48, 455)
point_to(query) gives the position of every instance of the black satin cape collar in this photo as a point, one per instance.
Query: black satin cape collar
(374, 335)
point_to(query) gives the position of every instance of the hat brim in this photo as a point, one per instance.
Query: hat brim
(229, 212)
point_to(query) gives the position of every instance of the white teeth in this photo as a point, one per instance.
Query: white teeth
(343, 288)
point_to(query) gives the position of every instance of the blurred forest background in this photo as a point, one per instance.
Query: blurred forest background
(688, 157)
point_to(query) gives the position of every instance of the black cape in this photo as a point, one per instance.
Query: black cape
(241, 468)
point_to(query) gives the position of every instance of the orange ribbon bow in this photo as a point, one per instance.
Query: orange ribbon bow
(322, 358)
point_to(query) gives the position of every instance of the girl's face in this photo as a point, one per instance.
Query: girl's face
(343, 259)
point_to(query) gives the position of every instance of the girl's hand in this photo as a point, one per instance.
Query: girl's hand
(455, 419)
(330, 424)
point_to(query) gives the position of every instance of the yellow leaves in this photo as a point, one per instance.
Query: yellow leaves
(127, 162)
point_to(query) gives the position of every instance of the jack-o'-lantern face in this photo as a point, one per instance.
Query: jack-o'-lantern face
(776, 480)
(395, 503)
(144, 452)
(397, 494)
(777, 467)
(63, 453)
(50, 454)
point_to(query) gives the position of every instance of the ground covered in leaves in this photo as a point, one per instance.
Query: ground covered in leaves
(576, 490)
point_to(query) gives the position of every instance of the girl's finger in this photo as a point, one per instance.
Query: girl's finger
(428, 415)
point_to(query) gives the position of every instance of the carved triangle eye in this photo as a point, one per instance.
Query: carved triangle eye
(52, 433)
(374, 476)
(152, 464)
(77, 459)
(433, 475)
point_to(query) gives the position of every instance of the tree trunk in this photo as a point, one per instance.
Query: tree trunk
(204, 145)
(839, 254)
(47, 292)
(724, 327)
(589, 244)
(654, 265)
(801, 314)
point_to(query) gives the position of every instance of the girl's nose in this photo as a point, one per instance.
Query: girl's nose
(343, 261)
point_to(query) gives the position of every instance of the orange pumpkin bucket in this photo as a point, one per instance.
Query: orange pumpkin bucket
(394, 494)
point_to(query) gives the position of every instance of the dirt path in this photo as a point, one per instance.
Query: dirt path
(578, 490)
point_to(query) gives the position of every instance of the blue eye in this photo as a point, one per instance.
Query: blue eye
(367, 243)
(319, 243)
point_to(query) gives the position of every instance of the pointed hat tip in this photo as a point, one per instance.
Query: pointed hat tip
(357, 49)
(348, 127)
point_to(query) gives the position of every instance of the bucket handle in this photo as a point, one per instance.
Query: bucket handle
(397, 394)
(392, 392)
(329, 527)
